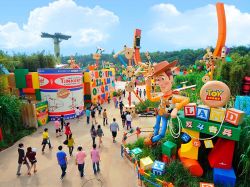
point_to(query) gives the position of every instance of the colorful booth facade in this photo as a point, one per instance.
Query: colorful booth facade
(63, 89)
(98, 85)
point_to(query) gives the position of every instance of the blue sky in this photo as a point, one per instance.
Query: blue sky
(166, 25)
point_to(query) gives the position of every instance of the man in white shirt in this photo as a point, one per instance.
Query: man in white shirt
(128, 120)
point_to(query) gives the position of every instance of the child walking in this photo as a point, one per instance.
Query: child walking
(100, 134)
(57, 127)
(93, 133)
(31, 155)
(67, 130)
(95, 157)
(99, 108)
(71, 143)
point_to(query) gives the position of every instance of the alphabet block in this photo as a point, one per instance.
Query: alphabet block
(205, 184)
(208, 144)
(203, 112)
(158, 168)
(225, 177)
(169, 148)
(185, 138)
(190, 110)
(234, 116)
(217, 114)
(136, 151)
(146, 163)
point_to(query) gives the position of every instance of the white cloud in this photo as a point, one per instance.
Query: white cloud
(88, 26)
(172, 29)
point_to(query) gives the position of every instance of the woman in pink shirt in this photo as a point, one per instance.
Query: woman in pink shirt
(95, 156)
(57, 127)
(80, 160)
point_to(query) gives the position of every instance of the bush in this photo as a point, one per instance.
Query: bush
(142, 107)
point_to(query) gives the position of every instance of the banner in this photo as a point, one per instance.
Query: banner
(42, 113)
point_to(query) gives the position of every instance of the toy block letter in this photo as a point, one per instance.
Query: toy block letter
(217, 114)
(234, 116)
(146, 163)
(190, 109)
(203, 112)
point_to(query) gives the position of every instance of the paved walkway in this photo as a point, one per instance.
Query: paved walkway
(115, 171)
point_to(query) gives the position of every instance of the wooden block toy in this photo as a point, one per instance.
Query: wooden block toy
(188, 150)
(192, 165)
(185, 137)
(224, 177)
(146, 163)
(169, 148)
(11, 80)
(205, 184)
(158, 168)
(35, 80)
(234, 116)
(136, 151)
(190, 110)
(202, 112)
(20, 77)
(208, 144)
(217, 114)
(28, 79)
(221, 155)
(227, 131)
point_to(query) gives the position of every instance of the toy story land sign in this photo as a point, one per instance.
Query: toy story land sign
(42, 113)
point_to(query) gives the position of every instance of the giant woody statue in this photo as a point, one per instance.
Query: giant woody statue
(169, 102)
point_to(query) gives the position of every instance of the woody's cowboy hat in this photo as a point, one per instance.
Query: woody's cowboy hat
(163, 66)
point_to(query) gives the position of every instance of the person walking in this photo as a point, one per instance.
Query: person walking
(62, 160)
(88, 115)
(57, 127)
(140, 92)
(123, 116)
(71, 143)
(144, 93)
(128, 120)
(105, 117)
(100, 134)
(80, 160)
(121, 107)
(99, 108)
(124, 93)
(93, 116)
(31, 155)
(77, 113)
(46, 140)
(115, 101)
(108, 99)
(67, 131)
(93, 133)
(21, 159)
(114, 127)
(95, 157)
(137, 91)
(62, 122)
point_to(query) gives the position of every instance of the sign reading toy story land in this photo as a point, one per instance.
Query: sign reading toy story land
(63, 89)
(215, 94)
(42, 113)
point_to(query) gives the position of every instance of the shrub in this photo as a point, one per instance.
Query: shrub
(142, 107)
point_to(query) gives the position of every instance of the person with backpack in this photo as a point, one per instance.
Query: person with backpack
(46, 140)
(21, 159)
(71, 143)
(31, 155)
(121, 107)
(105, 117)
(93, 133)
(95, 157)
(100, 134)
(80, 160)
(62, 160)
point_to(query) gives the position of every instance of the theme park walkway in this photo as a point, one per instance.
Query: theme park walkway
(115, 170)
